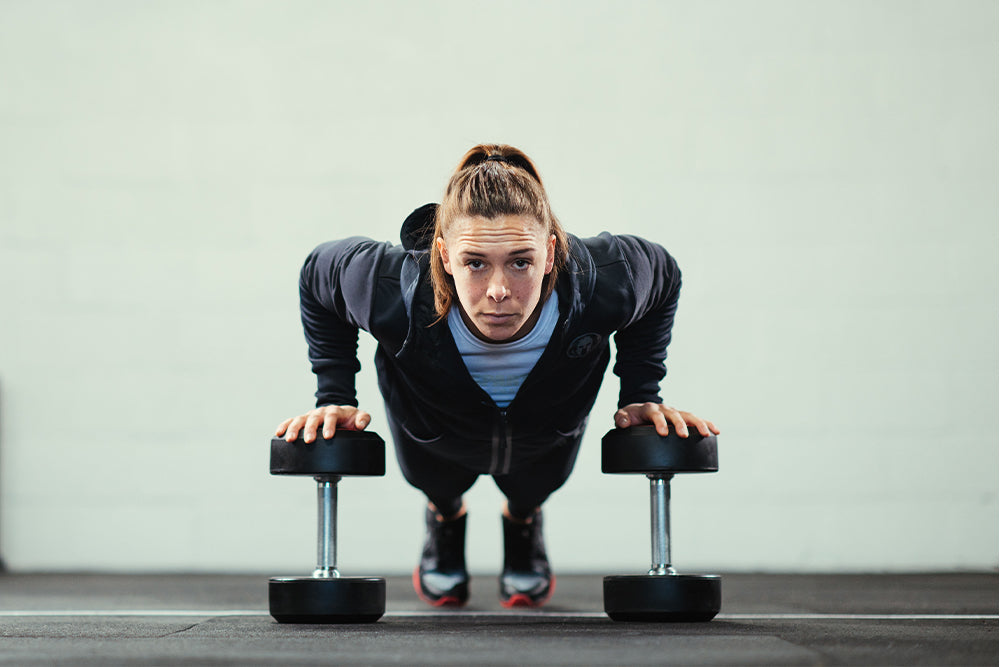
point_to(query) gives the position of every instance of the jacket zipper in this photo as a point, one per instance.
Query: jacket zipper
(502, 450)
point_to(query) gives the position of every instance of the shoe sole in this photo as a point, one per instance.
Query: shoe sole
(443, 601)
(523, 600)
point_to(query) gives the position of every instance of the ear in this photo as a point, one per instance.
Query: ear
(550, 254)
(443, 251)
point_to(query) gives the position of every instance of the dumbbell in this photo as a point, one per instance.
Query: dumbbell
(662, 594)
(326, 596)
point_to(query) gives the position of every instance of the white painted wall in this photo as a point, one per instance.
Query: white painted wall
(824, 171)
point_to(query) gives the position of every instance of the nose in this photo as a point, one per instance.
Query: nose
(497, 290)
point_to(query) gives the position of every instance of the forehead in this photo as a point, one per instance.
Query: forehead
(507, 233)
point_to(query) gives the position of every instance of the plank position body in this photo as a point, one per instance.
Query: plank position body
(493, 327)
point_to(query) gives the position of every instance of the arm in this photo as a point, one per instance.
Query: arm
(336, 290)
(642, 343)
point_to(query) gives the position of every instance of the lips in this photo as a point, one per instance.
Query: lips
(497, 317)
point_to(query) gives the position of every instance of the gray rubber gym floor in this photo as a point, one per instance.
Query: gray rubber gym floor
(938, 619)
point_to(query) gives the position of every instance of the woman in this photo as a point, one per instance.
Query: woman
(493, 331)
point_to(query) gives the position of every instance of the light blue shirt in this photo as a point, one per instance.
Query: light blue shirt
(500, 368)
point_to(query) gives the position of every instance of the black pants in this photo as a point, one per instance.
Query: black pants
(444, 481)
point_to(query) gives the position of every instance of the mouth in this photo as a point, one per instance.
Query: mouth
(498, 318)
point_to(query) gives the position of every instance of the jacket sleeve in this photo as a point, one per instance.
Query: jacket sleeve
(336, 293)
(641, 343)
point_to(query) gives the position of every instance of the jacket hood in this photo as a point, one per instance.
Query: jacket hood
(418, 228)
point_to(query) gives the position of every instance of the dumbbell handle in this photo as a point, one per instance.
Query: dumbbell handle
(659, 523)
(326, 527)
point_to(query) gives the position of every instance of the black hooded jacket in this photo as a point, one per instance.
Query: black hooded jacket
(620, 285)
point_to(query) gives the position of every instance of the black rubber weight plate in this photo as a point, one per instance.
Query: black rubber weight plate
(337, 600)
(346, 453)
(640, 449)
(663, 598)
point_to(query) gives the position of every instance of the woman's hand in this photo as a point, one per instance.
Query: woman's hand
(661, 416)
(331, 417)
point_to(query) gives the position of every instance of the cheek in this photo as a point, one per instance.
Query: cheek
(466, 286)
(529, 286)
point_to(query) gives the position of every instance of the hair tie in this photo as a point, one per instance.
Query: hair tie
(495, 158)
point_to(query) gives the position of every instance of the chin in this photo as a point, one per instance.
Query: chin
(493, 332)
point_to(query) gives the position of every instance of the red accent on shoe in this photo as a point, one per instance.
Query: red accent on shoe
(444, 601)
(518, 600)
(522, 599)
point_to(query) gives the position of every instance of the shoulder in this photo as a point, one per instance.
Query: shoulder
(621, 272)
(351, 267)
(356, 256)
(600, 249)
(352, 246)
(607, 249)
(598, 283)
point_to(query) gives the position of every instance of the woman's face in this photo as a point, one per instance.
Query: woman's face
(498, 265)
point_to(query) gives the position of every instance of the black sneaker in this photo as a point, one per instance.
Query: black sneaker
(441, 579)
(526, 580)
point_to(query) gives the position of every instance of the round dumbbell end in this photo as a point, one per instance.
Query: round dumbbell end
(640, 449)
(670, 598)
(320, 600)
(346, 453)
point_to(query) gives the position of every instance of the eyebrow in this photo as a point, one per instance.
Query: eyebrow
(512, 253)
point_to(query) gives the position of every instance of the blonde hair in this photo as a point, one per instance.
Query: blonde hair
(493, 180)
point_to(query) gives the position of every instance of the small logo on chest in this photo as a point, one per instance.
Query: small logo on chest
(583, 345)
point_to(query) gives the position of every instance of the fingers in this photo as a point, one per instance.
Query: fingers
(361, 420)
(293, 426)
(643, 413)
(313, 419)
(326, 419)
(662, 417)
(329, 424)
(344, 416)
(658, 418)
(705, 427)
(702, 427)
(280, 431)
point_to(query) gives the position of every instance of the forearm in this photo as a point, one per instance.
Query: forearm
(641, 345)
(641, 352)
(335, 298)
(333, 353)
